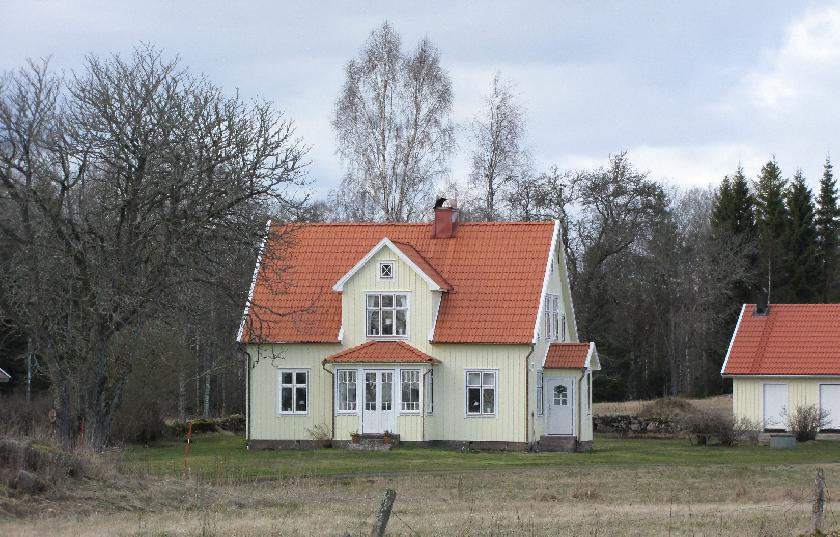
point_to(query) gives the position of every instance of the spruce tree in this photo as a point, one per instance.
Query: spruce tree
(802, 265)
(827, 230)
(733, 218)
(771, 227)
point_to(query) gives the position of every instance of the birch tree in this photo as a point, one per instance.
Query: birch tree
(393, 127)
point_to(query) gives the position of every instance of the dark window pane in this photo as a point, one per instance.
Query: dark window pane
(387, 323)
(286, 400)
(300, 399)
(300, 377)
(401, 322)
(387, 301)
(474, 400)
(489, 401)
(373, 323)
(287, 378)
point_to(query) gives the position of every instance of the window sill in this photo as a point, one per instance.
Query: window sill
(480, 415)
(386, 337)
(410, 413)
(291, 414)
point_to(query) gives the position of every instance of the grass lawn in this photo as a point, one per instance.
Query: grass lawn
(224, 457)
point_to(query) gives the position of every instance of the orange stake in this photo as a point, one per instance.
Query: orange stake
(187, 451)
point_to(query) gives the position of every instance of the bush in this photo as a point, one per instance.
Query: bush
(704, 424)
(805, 422)
(748, 430)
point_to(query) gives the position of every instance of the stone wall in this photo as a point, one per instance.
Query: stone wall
(635, 425)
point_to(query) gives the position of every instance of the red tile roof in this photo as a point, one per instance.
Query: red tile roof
(566, 356)
(792, 339)
(418, 259)
(495, 271)
(390, 352)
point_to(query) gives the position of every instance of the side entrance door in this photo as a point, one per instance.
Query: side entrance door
(560, 406)
(830, 402)
(378, 403)
(775, 403)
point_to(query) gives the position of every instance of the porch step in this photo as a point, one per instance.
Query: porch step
(374, 442)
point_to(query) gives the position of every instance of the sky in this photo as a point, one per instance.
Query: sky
(688, 89)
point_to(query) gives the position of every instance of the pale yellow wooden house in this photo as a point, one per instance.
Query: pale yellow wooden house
(443, 333)
(784, 356)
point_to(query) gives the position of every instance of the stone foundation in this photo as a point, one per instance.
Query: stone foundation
(567, 444)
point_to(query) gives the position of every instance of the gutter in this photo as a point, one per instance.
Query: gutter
(332, 399)
(248, 401)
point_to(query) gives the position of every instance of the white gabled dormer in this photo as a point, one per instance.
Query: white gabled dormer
(391, 293)
(556, 316)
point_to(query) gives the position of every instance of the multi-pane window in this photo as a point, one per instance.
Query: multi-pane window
(386, 270)
(430, 392)
(410, 390)
(539, 393)
(386, 387)
(554, 322)
(387, 314)
(561, 395)
(347, 390)
(481, 393)
(294, 391)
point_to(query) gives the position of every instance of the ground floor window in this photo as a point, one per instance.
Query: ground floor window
(294, 391)
(410, 390)
(589, 392)
(347, 390)
(430, 392)
(539, 393)
(481, 393)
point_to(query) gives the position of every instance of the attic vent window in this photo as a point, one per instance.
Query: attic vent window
(386, 270)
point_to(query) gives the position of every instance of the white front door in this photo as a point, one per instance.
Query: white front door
(775, 405)
(378, 401)
(830, 402)
(560, 406)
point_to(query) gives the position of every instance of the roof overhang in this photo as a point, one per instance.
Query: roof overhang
(381, 352)
(732, 341)
(387, 243)
(591, 360)
(4, 376)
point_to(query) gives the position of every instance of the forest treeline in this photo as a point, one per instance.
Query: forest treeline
(134, 195)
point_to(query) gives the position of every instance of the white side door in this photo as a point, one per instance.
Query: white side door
(775, 405)
(378, 401)
(559, 396)
(830, 402)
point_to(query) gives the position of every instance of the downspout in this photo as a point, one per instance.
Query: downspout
(332, 399)
(528, 393)
(248, 401)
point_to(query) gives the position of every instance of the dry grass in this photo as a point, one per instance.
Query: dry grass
(720, 403)
(703, 500)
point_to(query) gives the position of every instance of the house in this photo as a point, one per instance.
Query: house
(443, 333)
(4, 377)
(783, 356)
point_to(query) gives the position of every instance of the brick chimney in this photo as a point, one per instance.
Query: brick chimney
(446, 220)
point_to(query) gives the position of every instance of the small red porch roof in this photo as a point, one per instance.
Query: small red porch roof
(386, 352)
(568, 356)
(791, 339)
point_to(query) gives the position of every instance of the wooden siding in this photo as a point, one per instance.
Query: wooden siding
(748, 393)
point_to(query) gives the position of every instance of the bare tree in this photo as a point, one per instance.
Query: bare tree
(499, 158)
(392, 121)
(119, 188)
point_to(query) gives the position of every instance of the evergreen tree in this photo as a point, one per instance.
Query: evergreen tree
(802, 265)
(733, 218)
(771, 227)
(827, 230)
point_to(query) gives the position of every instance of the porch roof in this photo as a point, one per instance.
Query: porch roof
(572, 356)
(386, 352)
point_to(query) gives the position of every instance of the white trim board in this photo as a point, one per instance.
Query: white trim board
(732, 340)
(339, 285)
(253, 282)
(546, 276)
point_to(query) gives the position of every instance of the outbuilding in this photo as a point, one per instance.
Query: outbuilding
(784, 356)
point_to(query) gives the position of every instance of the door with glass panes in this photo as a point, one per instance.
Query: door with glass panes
(559, 406)
(378, 404)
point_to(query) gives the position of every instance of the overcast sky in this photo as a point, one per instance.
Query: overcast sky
(687, 90)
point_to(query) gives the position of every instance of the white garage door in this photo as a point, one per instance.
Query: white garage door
(830, 401)
(775, 404)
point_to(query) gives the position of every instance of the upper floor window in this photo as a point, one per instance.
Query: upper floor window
(553, 320)
(539, 393)
(387, 315)
(386, 270)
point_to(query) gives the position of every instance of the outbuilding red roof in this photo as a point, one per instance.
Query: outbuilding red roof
(566, 356)
(391, 352)
(791, 339)
(493, 272)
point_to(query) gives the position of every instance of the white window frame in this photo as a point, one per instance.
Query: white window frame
(419, 382)
(429, 390)
(338, 409)
(482, 386)
(294, 385)
(407, 310)
(393, 275)
(553, 321)
(540, 396)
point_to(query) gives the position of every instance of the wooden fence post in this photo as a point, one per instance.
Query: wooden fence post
(384, 513)
(819, 500)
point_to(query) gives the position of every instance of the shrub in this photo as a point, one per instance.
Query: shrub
(702, 424)
(805, 422)
(748, 430)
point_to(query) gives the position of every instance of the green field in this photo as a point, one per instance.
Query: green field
(224, 457)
